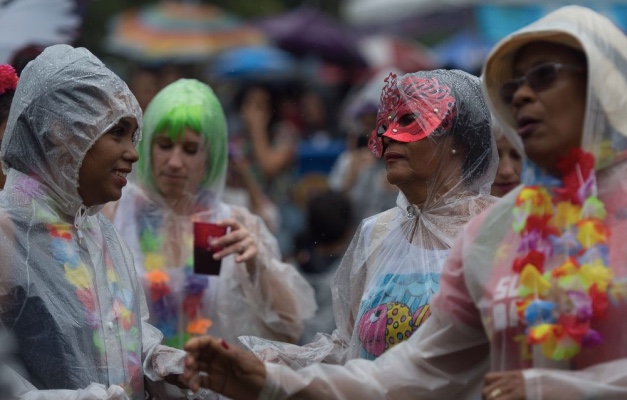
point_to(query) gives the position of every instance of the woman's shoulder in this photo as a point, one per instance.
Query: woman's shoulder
(378, 222)
(496, 212)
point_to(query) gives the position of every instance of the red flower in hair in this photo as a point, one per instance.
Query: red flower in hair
(8, 78)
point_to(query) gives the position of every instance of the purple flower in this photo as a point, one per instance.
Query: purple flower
(29, 187)
(582, 305)
(533, 240)
(196, 284)
(597, 252)
(566, 244)
(587, 189)
(592, 338)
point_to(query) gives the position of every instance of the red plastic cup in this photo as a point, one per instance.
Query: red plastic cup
(204, 233)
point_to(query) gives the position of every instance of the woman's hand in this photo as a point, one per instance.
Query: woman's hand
(238, 241)
(226, 369)
(509, 385)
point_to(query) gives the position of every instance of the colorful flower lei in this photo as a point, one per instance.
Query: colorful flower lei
(64, 250)
(165, 307)
(563, 260)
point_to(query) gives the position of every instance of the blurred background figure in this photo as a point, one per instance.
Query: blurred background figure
(244, 189)
(144, 83)
(319, 250)
(510, 163)
(356, 171)
(262, 146)
(8, 84)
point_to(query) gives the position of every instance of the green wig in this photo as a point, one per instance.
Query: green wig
(186, 103)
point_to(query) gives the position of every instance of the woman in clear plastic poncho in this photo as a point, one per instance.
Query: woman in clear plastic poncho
(433, 131)
(181, 175)
(534, 289)
(69, 294)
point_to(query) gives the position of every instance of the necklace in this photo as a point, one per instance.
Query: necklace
(177, 322)
(563, 260)
(66, 253)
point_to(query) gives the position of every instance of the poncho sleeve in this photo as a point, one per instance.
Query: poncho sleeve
(347, 287)
(446, 358)
(273, 300)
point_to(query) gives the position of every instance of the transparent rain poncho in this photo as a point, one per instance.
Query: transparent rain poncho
(383, 286)
(69, 294)
(474, 326)
(271, 302)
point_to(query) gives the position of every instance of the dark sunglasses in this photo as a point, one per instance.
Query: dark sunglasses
(538, 78)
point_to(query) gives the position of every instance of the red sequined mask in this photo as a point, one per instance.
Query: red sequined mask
(412, 112)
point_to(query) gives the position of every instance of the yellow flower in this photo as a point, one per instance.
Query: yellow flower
(591, 232)
(153, 262)
(566, 215)
(598, 274)
(535, 201)
(112, 276)
(79, 276)
(566, 269)
(532, 282)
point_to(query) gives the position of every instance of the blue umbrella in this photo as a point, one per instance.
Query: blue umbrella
(253, 63)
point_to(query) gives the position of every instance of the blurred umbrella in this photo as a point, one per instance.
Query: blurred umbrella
(179, 32)
(253, 63)
(307, 31)
(386, 51)
(465, 50)
(40, 22)
(360, 12)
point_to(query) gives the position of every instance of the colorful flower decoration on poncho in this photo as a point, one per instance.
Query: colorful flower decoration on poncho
(177, 322)
(65, 251)
(563, 260)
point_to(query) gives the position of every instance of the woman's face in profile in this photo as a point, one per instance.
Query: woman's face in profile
(107, 163)
(413, 162)
(549, 118)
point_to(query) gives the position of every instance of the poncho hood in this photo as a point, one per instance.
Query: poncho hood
(605, 47)
(65, 100)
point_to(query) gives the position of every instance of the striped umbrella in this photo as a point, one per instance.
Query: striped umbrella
(178, 32)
